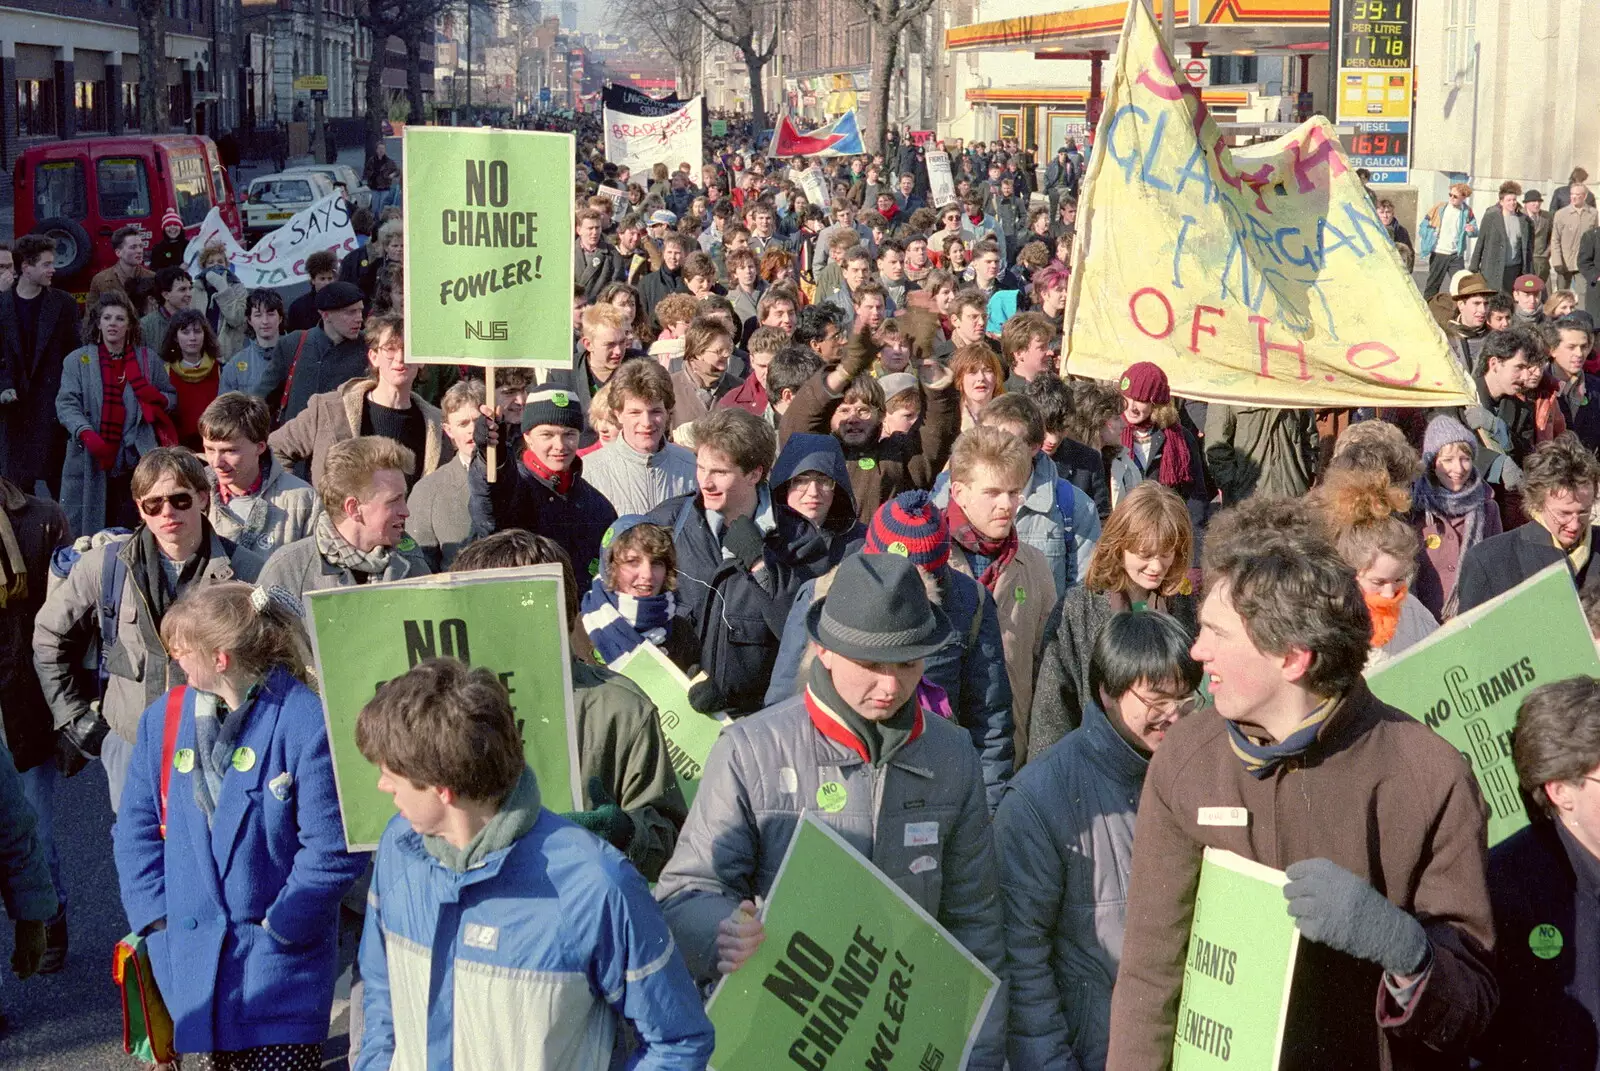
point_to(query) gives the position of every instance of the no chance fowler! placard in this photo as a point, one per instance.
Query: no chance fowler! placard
(488, 250)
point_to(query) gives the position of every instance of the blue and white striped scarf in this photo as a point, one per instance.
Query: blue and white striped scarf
(618, 623)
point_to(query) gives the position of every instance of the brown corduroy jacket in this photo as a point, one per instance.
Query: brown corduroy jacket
(1381, 795)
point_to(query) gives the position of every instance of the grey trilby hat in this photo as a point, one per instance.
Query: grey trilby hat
(877, 610)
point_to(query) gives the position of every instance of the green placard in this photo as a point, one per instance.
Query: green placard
(689, 733)
(488, 250)
(719, 128)
(1467, 680)
(511, 620)
(880, 985)
(1238, 968)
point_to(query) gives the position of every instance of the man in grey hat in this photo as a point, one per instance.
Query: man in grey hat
(856, 749)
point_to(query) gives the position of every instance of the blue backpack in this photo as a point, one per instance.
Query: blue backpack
(113, 573)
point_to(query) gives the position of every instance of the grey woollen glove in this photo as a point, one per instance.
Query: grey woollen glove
(1334, 907)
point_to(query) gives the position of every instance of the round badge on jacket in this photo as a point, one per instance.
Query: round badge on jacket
(244, 759)
(831, 796)
(1545, 941)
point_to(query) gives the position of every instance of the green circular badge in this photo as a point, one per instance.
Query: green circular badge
(866, 464)
(605, 540)
(1125, 384)
(243, 759)
(1021, 594)
(899, 548)
(1545, 941)
(831, 796)
(594, 566)
(559, 399)
(183, 761)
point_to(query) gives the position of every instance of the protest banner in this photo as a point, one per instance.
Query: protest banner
(841, 137)
(815, 187)
(510, 620)
(279, 259)
(1258, 275)
(1467, 680)
(881, 985)
(1238, 968)
(488, 251)
(642, 131)
(689, 733)
(619, 200)
(941, 185)
(719, 128)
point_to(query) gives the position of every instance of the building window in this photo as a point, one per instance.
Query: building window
(36, 107)
(1234, 70)
(90, 100)
(1460, 41)
(130, 104)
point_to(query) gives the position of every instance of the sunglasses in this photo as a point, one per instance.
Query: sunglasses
(181, 502)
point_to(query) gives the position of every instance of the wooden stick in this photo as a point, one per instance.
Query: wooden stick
(490, 455)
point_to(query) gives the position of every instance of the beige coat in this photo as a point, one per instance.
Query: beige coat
(336, 416)
(1567, 231)
(1024, 598)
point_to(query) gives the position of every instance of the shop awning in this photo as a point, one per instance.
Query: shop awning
(1225, 26)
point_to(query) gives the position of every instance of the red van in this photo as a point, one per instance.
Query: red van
(79, 192)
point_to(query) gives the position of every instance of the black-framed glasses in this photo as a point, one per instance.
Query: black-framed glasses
(182, 501)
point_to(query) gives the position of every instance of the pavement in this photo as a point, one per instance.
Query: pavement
(72, 1021)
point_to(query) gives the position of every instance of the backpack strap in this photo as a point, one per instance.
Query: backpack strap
(294, 363)
(171, 717)
(113, 574)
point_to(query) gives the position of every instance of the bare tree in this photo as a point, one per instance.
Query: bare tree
(889, 19)
(749, 26)
(153, 117)
(674, 27)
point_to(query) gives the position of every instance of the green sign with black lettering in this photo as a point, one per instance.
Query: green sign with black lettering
(853, 973)
(488, 246)
(510, 620)
(1467, 680)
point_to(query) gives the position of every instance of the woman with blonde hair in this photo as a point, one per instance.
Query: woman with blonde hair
(1140, 563)
(1366, 515)
(1559, 303)
(229, 846)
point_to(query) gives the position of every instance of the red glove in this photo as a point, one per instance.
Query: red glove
(104, 454)
(152, 412)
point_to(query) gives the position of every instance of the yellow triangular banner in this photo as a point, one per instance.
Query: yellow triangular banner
(1259, 275)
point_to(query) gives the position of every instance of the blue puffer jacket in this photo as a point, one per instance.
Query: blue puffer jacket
(970, 667)
(739, 616)
(523, 962)
(249, 953)
(1055, 517)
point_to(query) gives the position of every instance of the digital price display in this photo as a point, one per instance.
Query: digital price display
(1364, 145)
(1383, 148)
(1376, 34)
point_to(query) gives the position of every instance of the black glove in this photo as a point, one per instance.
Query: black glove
(30, 935)
(1334, 907)
(79, 741)
(605, 819)
(745, 542)
(706, 697)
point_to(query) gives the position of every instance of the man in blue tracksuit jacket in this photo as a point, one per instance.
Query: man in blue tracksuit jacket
(500, 936)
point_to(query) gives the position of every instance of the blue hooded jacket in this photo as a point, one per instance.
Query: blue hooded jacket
(841, 530)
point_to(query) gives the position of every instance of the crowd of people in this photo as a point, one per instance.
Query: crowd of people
(823, 457)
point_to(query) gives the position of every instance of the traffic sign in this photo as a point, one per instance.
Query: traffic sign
(544, 94)
(311, 82)
(1197, 71)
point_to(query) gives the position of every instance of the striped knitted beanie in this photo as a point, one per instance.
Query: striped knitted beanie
(910, 525)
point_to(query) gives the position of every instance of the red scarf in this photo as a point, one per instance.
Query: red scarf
(561, 481)
(1174, 454)
(834, 727)
(1385, 615)
(115, 371)
(890, 216)
(1000, 552)
(976, 220)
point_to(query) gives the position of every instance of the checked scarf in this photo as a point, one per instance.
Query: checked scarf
(997, 553)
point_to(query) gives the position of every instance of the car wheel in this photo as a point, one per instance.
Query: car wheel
(73, 248)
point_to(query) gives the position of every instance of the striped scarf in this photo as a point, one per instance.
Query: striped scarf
(1262, 759)
(616, 624)
(115, 372)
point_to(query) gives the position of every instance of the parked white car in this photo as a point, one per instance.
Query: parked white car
(355, 191)
(274, 199)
